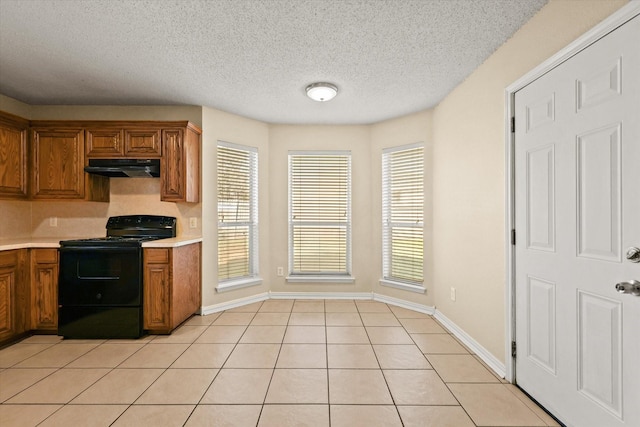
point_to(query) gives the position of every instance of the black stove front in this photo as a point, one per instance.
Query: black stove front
(100, 284)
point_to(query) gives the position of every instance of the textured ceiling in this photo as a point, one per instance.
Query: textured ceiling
(251, 57)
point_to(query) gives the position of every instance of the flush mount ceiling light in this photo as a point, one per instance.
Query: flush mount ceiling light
(322, 91)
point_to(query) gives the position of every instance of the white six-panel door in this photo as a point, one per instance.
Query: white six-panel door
(577, 211)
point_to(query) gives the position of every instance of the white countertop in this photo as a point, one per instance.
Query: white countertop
(173, 242)
(51, 242)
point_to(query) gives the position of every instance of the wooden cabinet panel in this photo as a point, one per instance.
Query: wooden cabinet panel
(180, 167)
(7, 285)
(105, 142)
(58, 163)
(171, 286)
(142, 143)
(172, 165)
(157, 293)
(186, 291)
(14, 292)
(44, 289)
(13, 157)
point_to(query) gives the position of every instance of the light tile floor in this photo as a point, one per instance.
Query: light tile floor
(275, 363)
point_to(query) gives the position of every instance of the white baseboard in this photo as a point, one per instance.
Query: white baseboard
(496, 365)
(421, 308)
(234, 303)
(321, 295)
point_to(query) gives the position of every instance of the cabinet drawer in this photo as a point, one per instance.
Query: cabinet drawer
(156, 256)
(45, 256)
(8, 258)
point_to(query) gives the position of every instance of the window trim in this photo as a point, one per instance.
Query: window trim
(253, 225)
(316, 277)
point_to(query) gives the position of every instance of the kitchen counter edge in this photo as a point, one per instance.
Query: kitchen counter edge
(31, 243)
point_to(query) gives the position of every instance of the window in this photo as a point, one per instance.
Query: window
(320, 213)
(237, 212)
(403, 214)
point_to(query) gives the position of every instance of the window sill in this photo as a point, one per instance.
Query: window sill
(232, 285)
(404, 286)
(320, 279)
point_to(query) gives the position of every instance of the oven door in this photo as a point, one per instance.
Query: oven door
(100, 276)
(100, 292)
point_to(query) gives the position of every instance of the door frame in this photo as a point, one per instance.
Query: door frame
(618, 18)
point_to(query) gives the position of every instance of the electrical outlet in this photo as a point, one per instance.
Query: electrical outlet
(193, 222)
(453, 294)
(53, 221)
(280, 271)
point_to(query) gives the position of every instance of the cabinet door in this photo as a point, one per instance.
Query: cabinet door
(58, 163)
(173, 166)
(142, 143)
(44, 289)
(13, 157)
(180, 167)
(7, 304)
(105, 142)
(13, 294)
(157, 290)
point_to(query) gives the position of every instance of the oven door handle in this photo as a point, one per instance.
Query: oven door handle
(97, 277)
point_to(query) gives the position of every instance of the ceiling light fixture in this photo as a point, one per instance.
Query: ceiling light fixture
(322, 91)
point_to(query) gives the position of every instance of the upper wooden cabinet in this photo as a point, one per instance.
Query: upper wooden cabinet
(180, 165)
(13, 157)
(58, 163)
(142, 142)
(105, 142)
(50, 165)
(111, 140)
(57, 166)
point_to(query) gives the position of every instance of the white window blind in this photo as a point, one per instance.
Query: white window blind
(403, 213)
(320, 213)
(237, 211)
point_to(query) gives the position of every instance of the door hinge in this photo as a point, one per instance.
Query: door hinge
(513, 124)
(513, 237)
(513, 349)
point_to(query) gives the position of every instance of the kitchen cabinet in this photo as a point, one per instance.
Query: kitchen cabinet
(58, 166)
(44, 289)
(143, 143)
(104, 142)
(14, 295)
(13, 157)
(112, 140)
(171, 286)
(180, 164)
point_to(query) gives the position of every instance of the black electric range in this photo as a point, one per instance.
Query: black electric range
(100, 292)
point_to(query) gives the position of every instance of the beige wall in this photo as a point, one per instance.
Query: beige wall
(221, 126)
(469, 170)
(391, 133)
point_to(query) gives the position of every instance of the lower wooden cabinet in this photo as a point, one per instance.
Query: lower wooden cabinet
(14, 294)
(172, 291)
(44, 289)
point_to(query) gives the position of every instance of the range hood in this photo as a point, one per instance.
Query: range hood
(124, 168)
